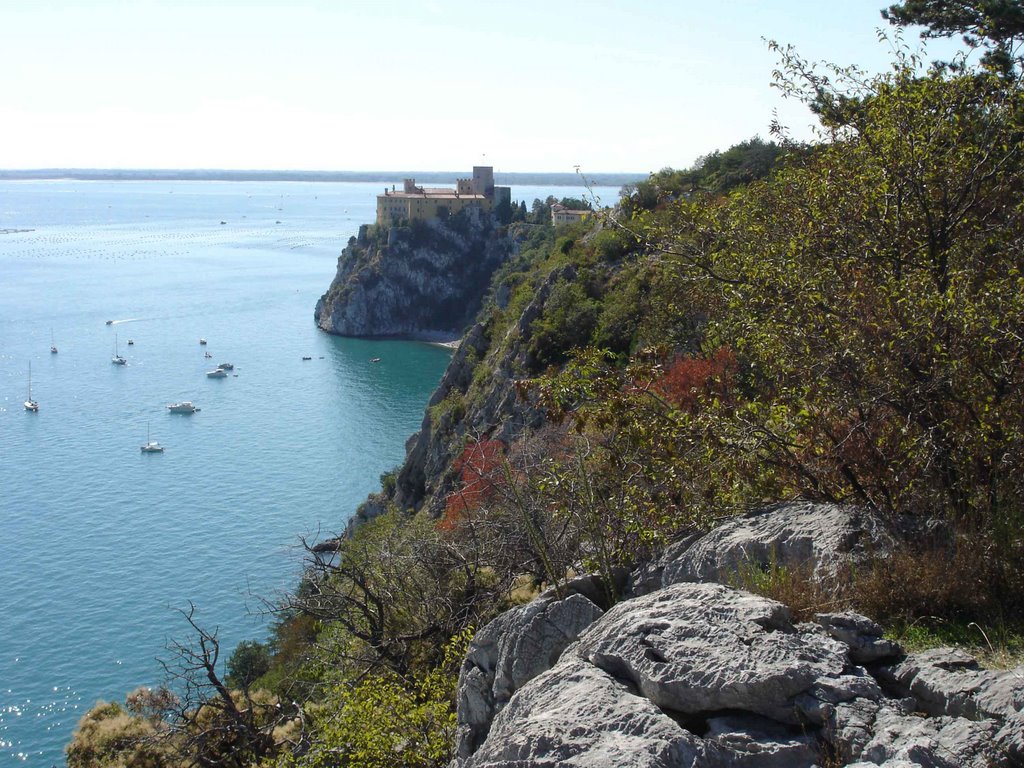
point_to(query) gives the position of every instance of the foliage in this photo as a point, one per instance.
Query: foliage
(110, 737)
(995, 25)
(794, 586)
(995, 644)
(386, 721)
(569, 318)
(392, 595)
(448, 411)
(480, 468)
(643, 468)
(872, 295)
(716, 173)
(388, 480)
(248, 662)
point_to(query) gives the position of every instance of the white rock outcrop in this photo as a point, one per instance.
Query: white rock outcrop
(696, 674)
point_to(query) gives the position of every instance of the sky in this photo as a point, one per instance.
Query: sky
(522, 85)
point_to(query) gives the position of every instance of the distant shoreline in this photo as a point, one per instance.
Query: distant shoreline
(204, 174)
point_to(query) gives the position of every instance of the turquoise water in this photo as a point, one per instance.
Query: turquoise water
(101, 545)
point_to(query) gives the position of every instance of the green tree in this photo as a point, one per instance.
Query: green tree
(384, 720)
(995, 25)
(872, 295)
(248, 662)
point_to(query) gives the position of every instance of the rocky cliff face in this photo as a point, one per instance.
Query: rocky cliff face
(424, 281)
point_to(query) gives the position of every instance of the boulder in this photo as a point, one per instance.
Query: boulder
(575, 714)
(821, 538)
(512, 650)
(700, 648)
(936, 742)
(946, 681)
(861, 635)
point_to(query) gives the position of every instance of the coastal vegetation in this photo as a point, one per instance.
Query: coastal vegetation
(838, 321)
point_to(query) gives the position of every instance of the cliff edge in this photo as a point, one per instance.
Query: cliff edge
(422, 281)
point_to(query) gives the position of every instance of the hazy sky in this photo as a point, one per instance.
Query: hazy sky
(521, 85)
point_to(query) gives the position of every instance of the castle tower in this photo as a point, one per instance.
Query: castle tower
(483, 180)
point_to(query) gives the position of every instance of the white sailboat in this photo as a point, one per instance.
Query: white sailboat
(30, 404)
(151, 446)
(53, 344)
(117, 359)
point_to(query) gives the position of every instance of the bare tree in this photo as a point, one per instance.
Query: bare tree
(212, 725)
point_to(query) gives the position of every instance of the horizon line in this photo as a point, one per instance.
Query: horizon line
(294, 171)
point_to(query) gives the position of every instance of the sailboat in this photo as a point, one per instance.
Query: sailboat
(117, 359)
(53, 345)
(30, 404)
(151, 446)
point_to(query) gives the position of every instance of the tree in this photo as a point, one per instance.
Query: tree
(995, 25)
(248, 662)
(393, 594)
(211, 724)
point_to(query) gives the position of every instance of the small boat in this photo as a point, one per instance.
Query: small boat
(53, 344)
(374, 359)
(30, 404)
(207, 355)
(151, 446)
(110, 322)
(183, 407)
(227, 366)
(216, 373)
(202, 342)
(131, 342)
(117, 359)
(305, 357)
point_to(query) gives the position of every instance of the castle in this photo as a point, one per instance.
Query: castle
(414, 203)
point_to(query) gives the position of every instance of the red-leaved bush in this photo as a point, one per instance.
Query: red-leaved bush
(686, 379)
(480, 467)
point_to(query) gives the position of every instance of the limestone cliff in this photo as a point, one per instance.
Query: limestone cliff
(424, 281)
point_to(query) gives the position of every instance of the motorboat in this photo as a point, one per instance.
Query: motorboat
(216, 373)
(307, 357)
(374, 359)
(151, 446)
(131, 342)
(207, 355)
(185, 406)
(202, 342)
(227, 366)
(110, 322)
(30, 404)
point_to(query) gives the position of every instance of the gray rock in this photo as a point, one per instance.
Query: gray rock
(861, 635)
(577, 715)
(405, 286)
(749, 740)
(946, 681)
(1010, 739)
(821, 538)
(852, 728)
(509, 652)
(698, 648)
(935, 742)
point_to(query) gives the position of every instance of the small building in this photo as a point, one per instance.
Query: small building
(562, 215)
(416, 203)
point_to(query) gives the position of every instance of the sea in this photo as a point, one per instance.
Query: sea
(103, 547)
